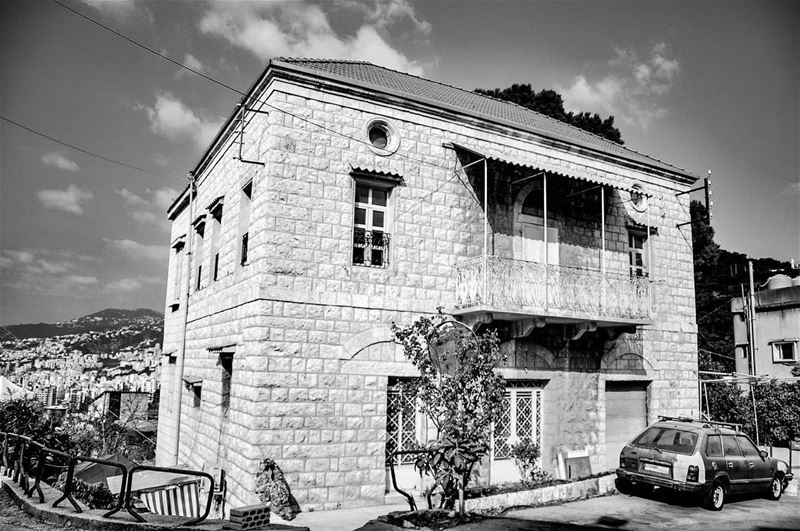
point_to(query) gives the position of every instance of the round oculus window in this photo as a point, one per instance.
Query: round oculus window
(378, 136)
(638, 198)
(382, 138)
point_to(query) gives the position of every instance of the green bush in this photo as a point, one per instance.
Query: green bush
(94, 495)
(525, 454)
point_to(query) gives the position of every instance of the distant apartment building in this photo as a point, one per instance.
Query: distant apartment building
(341, 197)
(777, 329)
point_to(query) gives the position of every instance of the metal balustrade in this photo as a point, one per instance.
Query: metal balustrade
(536, 289)
(15, 456)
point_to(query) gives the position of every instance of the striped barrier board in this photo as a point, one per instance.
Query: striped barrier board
(176, 500)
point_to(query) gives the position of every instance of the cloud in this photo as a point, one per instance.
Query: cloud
(169, 117)
(138, 251)
(193, 62)
(81, 280)
(126, 285)
(149, 208)
(793, 188)
(70, 200)
(300, 29)
(129, 197)
(632, 91)
(164, 197)
(46, 271)
(60, 161)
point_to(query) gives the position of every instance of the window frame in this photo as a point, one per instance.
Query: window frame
(225, 362)
(513, 393)
(245, 214)
(776, 350)
(396, 389)
(368, 227)
(635, 270)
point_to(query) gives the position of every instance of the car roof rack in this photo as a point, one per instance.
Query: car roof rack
(731, 425)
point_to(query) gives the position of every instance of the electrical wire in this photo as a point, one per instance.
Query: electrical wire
(82, 150)
(252, 99)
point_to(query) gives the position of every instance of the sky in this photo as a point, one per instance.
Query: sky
(702, 85)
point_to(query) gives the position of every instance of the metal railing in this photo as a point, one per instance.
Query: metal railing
(15, 457)
(536, 289)
(126, 488)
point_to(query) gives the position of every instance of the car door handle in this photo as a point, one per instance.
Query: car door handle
(730, 465)
(751, 465)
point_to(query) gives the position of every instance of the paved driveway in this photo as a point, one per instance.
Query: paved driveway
(657, 511)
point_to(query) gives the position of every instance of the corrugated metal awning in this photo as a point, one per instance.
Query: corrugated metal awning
(531, 161)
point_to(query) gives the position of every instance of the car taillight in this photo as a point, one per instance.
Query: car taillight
(693, 473)
(621, 462)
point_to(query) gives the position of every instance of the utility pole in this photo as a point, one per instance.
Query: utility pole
(753, 347)
(752, 317)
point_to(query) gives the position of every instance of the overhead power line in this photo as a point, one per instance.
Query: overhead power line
(82, 150)
(234, 89)
(147, 48)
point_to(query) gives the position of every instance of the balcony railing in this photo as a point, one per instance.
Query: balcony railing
(530, 288)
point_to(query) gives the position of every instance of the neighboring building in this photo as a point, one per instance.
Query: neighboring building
(128, 407)
(356, 198)
(777, 329)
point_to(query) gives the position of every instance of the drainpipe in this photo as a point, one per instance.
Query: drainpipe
(178, 395)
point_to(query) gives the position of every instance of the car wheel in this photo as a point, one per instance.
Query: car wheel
(623, 486)
(714, 498)
(775, 488)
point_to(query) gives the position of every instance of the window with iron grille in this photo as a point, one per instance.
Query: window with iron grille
(403, 425)
(370, 224)
(521, 418)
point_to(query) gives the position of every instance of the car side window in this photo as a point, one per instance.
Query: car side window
(730, 446)
(714, 446)
(748, 448)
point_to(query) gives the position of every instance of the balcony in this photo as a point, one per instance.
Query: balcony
(517, 289)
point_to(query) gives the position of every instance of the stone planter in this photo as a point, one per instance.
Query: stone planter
(586, 488)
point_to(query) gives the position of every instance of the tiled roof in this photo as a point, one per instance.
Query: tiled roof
(397, 83)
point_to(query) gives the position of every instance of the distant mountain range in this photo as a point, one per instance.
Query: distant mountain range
(108, 319)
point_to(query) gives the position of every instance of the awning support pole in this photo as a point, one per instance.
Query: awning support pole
(603, 247)
(649, 264)
(485, 230)
(546, 250)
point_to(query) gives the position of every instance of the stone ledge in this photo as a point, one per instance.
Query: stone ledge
(93, 518)
(587, 488)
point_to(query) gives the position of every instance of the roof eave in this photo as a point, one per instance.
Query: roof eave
(683, 175)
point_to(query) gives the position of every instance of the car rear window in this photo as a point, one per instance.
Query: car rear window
(669, 439)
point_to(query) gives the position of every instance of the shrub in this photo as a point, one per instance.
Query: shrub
(94, 495)
(525, 454)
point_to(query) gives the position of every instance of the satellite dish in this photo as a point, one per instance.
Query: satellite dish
(443, 347)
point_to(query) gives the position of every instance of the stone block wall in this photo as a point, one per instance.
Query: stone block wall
(309, 381)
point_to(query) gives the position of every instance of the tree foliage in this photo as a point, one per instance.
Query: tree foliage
(550, 103)
(462, 405)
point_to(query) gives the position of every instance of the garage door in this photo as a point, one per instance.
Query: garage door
(626, 416)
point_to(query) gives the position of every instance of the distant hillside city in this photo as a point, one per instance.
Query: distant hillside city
(69, 365)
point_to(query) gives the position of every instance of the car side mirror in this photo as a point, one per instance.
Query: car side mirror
(764, 454)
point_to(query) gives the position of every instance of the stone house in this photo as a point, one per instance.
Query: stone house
(776, 326)
(341, 197)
